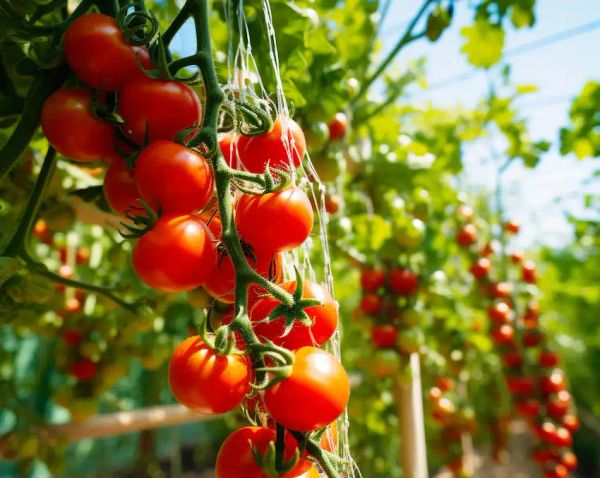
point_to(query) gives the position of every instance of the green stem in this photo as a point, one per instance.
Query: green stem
(176, 24)
(318, 454)
(407, 38)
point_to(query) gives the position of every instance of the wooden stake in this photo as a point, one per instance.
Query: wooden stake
(413, 452)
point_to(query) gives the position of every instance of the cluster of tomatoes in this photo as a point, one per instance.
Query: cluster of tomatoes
(454, 420)
(388, 300)
(538, 387)
(155, 180)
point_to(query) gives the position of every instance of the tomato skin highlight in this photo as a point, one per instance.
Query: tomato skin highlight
(338, 126)
(256, 152)
(164, 107)
(236, 460)
(120, 190)
(324, 318)
(98, 53)
(313, 396)
(71, 128)
(206, 382)
(278, 221)
(467, 235)
(173, 178)
(176, 255)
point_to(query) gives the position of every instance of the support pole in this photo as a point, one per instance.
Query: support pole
(413, 452)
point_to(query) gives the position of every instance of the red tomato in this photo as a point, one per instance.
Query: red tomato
(173, 178)
(206, 382)
(546, 431)
(220, 283)
(403, 282)
(487, 250)
(570, 422)
(256, 152)
(435, 393)
(517, 257)
(73, 130)
(72, 337)
(120, 190)
(556, 471)
(332, 203)
(500, 290)
(228, 145)
(72, 305)
(569, 460)
(384, 336)
(313, 395)
(278, 221)
(83, 370)
(176, 255)
(562, 437)
(338, 127)
(528, 407)
(98, 53)
(520, 385)
(213, 220)
(481, 268)
(553, 383)
(324, 318)
(371, 279)
(445, 384)
(236, 457)
(532, 338)
(512, 359)
(371, 304)
(558, 405)
(512, 226)
(163, 107)
(467, 235)
(528, 273)
(503, 334)
(499, 313)
(82, 255)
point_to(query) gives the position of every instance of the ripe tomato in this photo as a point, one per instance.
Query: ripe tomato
(207, 382)
(228, 145)
(487, 250)
(558, 405)
(434, 394)
(520, 385)
(73, 130)
(569, 460)
(532, 338)
(256, 152)
(570, 422)
(404, 282)
(555, 470)
(236, 458)
(338, 126)
(546, 431)
(481, 268)
(528, 273)
(173, 178)
(332, 203)
(98, 53)
(562, 438)
(371, 304)
(278, 221)
(176, 255)
(313, 395)
(512, 226)
(467, 235)
(500, 290)
(220, 283)
(499, 313)
(445, 384)
(384, 336)
(163, 107)
(528, 407)
(512, 359)
(503, 334)
(553, 383)
(72, 337)
(371, 279)
(517, 257)
(213, 220)
(120, 190)
(324, 318)
(83, 370)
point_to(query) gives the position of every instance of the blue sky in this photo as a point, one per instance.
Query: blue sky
(537, 198)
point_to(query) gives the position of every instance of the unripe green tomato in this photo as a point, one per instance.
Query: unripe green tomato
(60, 217)
(410, 340)
(116, 254)
(82, 408)
(352, 87)
(141, 322)
(411, 318)
(199, 298)
(327, 167)
(385, 363)
(410, 235)
(112, 372)
(28, 447)
(316, 136)
(90, 349)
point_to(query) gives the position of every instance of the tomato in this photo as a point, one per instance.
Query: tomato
(465, 212)
(512, 226)
(98, 53)
(500, 290)
(83, 370)
(384, 336)
(73, 130)
(327, 166)
(403, 282)
(481, 268)
(72, 305)
(569, 460)
(556, 471)
(517, 257)
(520, 385)
(528, 273)
(546, 431)
(532, 338)
(499, 313)
(528, 407)
(384, 363)
(313, 395)
(120, 190)
(371, 304)
(434, 394)
(562, 437)
(338, 126)
(558, 405)
(502, 334)
(371, 279)
(467, 235)
(163, 107)
(220, 283)
(512, 359)
(332, 203)
(278, 221)
(256, 152)
(541, 455)
(228, 145)
(313, 472)
(570, 422)
(410, 340)
(72, 337)
(207, 382)
(324, 318)
(176, 255)
(236, 457)
(443, 408)
(317, 136)
(553, 383)
(487, 250)
(173, 178)
(445, 384)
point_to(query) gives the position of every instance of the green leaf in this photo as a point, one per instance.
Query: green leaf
(370, 232)
(483, 43)
(9, 266)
